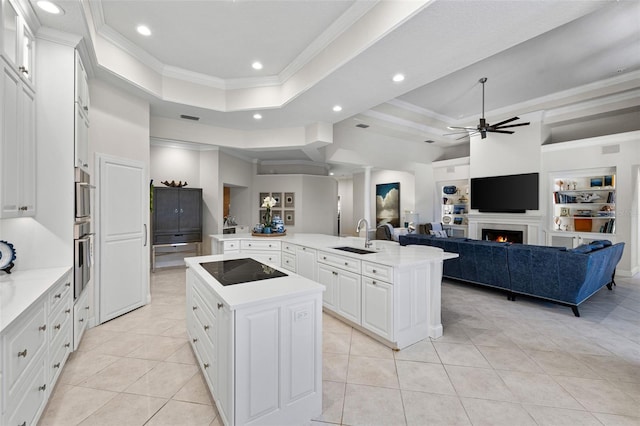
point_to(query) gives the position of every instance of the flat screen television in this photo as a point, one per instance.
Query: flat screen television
(505, 194)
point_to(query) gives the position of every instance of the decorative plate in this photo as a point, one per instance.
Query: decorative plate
(446, 219)
(449, 189)
(7, 256)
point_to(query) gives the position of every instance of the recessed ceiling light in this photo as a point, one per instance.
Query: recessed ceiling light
(331, 173)
(256, 65)
(144, 30)
(337, 108)
(398, 78)
(49, 7)
(257, 116)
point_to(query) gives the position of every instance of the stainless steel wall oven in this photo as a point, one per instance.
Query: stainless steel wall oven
(82, 236)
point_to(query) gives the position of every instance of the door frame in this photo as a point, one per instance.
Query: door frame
(98, 235)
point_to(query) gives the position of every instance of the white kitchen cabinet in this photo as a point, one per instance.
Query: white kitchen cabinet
(35, 344)
(18, 42)
(262, 361)
(306, 262)
(81, 115)
(377, 307)
(80, 317)
(344, 288)
(17, 143)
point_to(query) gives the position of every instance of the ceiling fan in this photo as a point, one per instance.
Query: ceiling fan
(483, 127)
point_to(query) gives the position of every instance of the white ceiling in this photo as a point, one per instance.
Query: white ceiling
(537, 55)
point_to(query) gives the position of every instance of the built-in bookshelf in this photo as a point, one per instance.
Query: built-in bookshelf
(585, 203)
(455, 206)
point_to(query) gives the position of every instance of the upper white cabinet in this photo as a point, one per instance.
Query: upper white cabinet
(17, 144)
(18, 42)
(81, 115)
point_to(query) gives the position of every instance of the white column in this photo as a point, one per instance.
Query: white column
(367, 197)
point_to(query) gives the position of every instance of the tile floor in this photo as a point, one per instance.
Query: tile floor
(498, 363)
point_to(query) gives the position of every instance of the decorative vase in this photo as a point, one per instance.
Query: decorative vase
(266, 230)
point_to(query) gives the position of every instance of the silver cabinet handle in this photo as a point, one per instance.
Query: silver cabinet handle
(23, 423)
(374, 283)
(145, 235)
(206, 327)
(374, 271)
(22, 354)
(181, 211)
(205, 365)
(269, 245)
(220, 305)
(175, 211)
(42, 388)
(334, 272)
(194, 307)
(81, 320)
(56, 327)
(56, 365)
(324, 257)
(68, 284)
(67, 311)
(66, 345)
(86, 307)
(23, 70)
(346, 263)
(195, 339)
(42, 327)
(57, 296)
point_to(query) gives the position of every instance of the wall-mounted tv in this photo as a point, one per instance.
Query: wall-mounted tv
(505, 194)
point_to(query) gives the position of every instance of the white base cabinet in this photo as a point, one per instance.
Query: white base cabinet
(34, 349)
(263, 362)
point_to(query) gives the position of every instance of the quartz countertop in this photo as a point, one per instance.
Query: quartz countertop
(21, 289)
(388, 253)
(253, 292)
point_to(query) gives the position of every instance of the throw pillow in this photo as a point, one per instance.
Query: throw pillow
(438, 234)
(585, 248)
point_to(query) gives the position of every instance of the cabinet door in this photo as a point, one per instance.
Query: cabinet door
(82, 87)
(225, 363)
(190, 210)
(81, 139)
(377, 305)
(10, 157)
(326, 277)
(10, 31)
(306, 263)
(349, 295)
(27, 153)
(166, 210)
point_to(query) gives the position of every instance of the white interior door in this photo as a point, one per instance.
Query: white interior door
(124, 209)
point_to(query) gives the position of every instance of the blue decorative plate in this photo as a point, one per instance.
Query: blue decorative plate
(7, 256)
(449, 189)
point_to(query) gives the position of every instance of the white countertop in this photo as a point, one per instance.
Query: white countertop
(20, 289)
(256, 292)
(388, 253)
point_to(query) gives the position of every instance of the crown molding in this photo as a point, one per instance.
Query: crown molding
(60, 37)
(178, 144)
(419, 110)
(401, 122)
(632, 97)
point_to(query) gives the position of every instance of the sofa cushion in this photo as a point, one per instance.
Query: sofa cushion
(605, 243)
(584, 248)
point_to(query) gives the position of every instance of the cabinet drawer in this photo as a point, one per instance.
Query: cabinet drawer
(231, 246)
(259, 245)
(23, 342)
(58, 322)
(377, 271)
(205, 318)
(266, 257)
(339, 261)
(289, 261)
(177, 238)
(31, 397)
(60, 293)
(206, 293)
(289, 248)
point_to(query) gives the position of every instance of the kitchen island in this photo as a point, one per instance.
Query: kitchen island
(389, 292)
(256, 330)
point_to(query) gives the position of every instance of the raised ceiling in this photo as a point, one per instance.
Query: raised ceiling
(537, 55)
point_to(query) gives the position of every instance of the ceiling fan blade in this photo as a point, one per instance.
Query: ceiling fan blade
(461, 128)
(511, 125)
(509, 132)
(455, 133)
(505, 121)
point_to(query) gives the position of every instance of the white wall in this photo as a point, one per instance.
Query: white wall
(211, 197)
(178, 164)
(345, 191)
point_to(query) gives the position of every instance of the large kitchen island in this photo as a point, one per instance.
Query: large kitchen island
(389, 292)
(256, 330)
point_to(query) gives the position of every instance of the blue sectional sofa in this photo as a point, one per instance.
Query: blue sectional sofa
(568, 277)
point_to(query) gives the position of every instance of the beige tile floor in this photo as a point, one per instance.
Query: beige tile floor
(498, 363)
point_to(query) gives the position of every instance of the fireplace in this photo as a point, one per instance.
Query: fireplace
(502, 235)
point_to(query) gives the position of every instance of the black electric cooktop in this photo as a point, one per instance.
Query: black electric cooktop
(238, 271)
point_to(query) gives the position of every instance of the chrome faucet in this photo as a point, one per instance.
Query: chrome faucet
(367, 243)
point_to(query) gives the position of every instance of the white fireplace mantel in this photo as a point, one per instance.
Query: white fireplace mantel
(530, 224)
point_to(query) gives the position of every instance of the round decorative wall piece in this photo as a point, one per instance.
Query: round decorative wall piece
(451, 189)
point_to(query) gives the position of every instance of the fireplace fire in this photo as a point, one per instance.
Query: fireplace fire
(502, 235)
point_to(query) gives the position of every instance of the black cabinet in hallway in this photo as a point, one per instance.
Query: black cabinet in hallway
(177, 215)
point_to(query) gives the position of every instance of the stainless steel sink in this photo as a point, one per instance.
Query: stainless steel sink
(354, 250)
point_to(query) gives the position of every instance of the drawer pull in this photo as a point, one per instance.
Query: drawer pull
(56, 327)
(220, 305)
(270, 259)
(23, 423)
(68, 284)
(304, 248)
(22, 354)
(67, 311)
(346, 263)
(195, 339)
(86, 307)
(56, 365)
(194, 308)
(42, 388)
(42, 327)
(249, 245)
(374, 271)
(374, 283)
(324, 257)
(334, 272)
(286, 261)
(270, 246)
(57, 296)
(67, 345)
(206, 327)
(81, 320)
(205, 365)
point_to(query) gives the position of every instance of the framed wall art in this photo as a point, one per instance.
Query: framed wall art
(263, 195)
(278, 197)
(289, 200)
(388, 204)
(289, 218)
